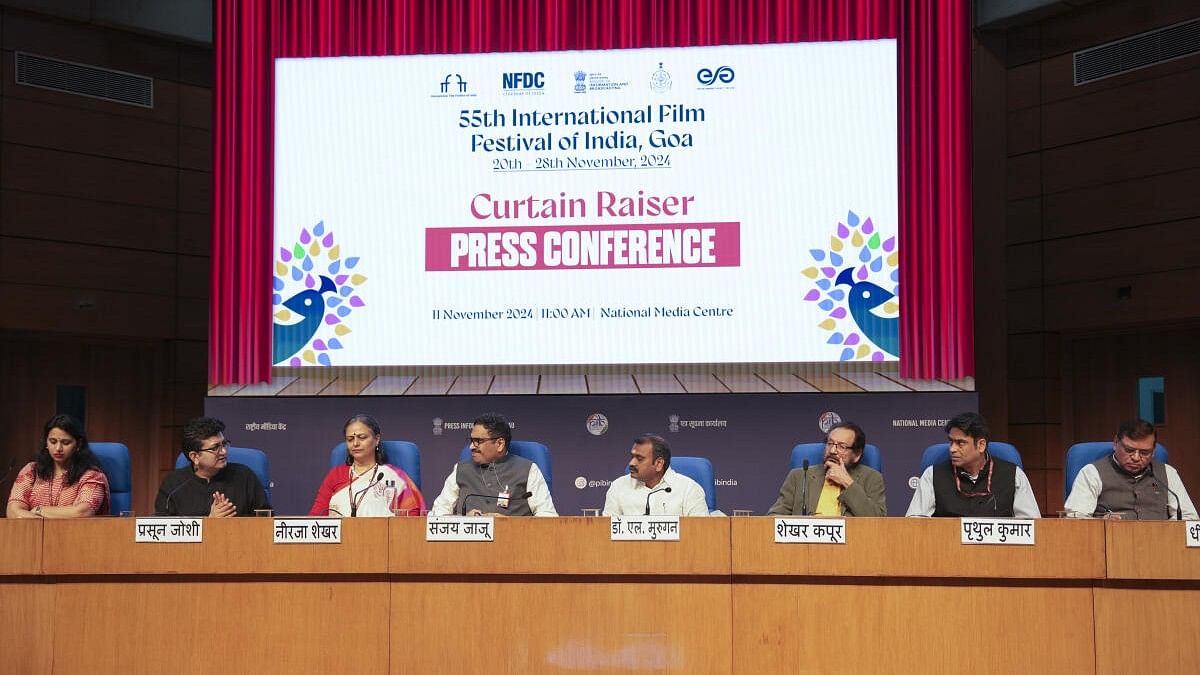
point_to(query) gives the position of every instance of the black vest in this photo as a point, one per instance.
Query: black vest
(1142, 497)
(951, 503)
(479, 485)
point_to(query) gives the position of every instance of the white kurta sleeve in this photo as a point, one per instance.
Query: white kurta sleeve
(612, 503)
(694, 503)
(1024, 503)
(1085, 492)
(1184, 501)
(540, 501)
(444, 504)
(923, 501)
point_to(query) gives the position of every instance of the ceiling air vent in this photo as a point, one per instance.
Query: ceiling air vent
(84, 80)
(1139, 51)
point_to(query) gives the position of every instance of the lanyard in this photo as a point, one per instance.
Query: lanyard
(986, 492)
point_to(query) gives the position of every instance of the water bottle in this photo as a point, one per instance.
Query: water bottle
(389, 496)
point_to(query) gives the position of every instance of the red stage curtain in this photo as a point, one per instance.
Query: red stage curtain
(933, 64)
(936, 252)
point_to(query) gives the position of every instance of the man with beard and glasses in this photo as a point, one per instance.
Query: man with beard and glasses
(841, 487)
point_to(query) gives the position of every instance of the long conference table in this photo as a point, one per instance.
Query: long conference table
(557, 595)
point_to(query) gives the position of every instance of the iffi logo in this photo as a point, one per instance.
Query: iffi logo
(459, 82)
(524, 81)
(315, 288)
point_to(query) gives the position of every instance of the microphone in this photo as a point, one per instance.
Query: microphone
(167, 503)
(804, 494)
(652, 493)
(1178, 506)
(463, 510)
(357, 497)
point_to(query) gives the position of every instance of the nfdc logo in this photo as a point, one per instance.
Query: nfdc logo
(524, 81)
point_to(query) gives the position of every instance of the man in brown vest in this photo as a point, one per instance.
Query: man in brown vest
(1129, 484)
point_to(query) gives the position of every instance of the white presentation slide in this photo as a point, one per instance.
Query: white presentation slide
(690, 205)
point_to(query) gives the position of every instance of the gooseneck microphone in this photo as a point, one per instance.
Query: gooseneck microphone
(1178, 506)
(167, 503)
(357, 497)
(804, 493)
(463, 508)
(652, 493)
(1165, 484)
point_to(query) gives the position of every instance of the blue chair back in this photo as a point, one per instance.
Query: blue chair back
(253, 458)
(403, 454)
(815, 454)
(114, 460)
(531, 450)
(940, 452)
(699, 469)
(1082, 454)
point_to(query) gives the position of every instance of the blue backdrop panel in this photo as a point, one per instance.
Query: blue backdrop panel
(748, 437)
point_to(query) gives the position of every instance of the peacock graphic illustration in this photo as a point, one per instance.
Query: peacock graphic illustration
(315, 290)
(857, 283)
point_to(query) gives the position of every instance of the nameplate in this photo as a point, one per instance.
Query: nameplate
(810, 531)
(997, 531)
(308, 530)
(460, 528)
(168, 530)
(645, 528)
(1193, 533)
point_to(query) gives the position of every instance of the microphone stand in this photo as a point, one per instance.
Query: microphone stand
(356, 498)
(652, 493)
(804, 492)
(463, 506)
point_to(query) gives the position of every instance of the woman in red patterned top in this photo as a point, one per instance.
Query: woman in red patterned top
(65, 481)
(359, 487)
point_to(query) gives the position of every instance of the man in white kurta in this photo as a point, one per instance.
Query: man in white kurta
(652, 487)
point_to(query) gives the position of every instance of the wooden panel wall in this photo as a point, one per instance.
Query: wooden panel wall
(104, 243)
(1091, 243)
(1102, 387)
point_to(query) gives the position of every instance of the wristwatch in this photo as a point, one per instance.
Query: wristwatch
(37, 510)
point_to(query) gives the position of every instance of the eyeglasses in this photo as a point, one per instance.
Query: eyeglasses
(840, 447)
(1136, 452)
(480, 441)
(223, 445)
